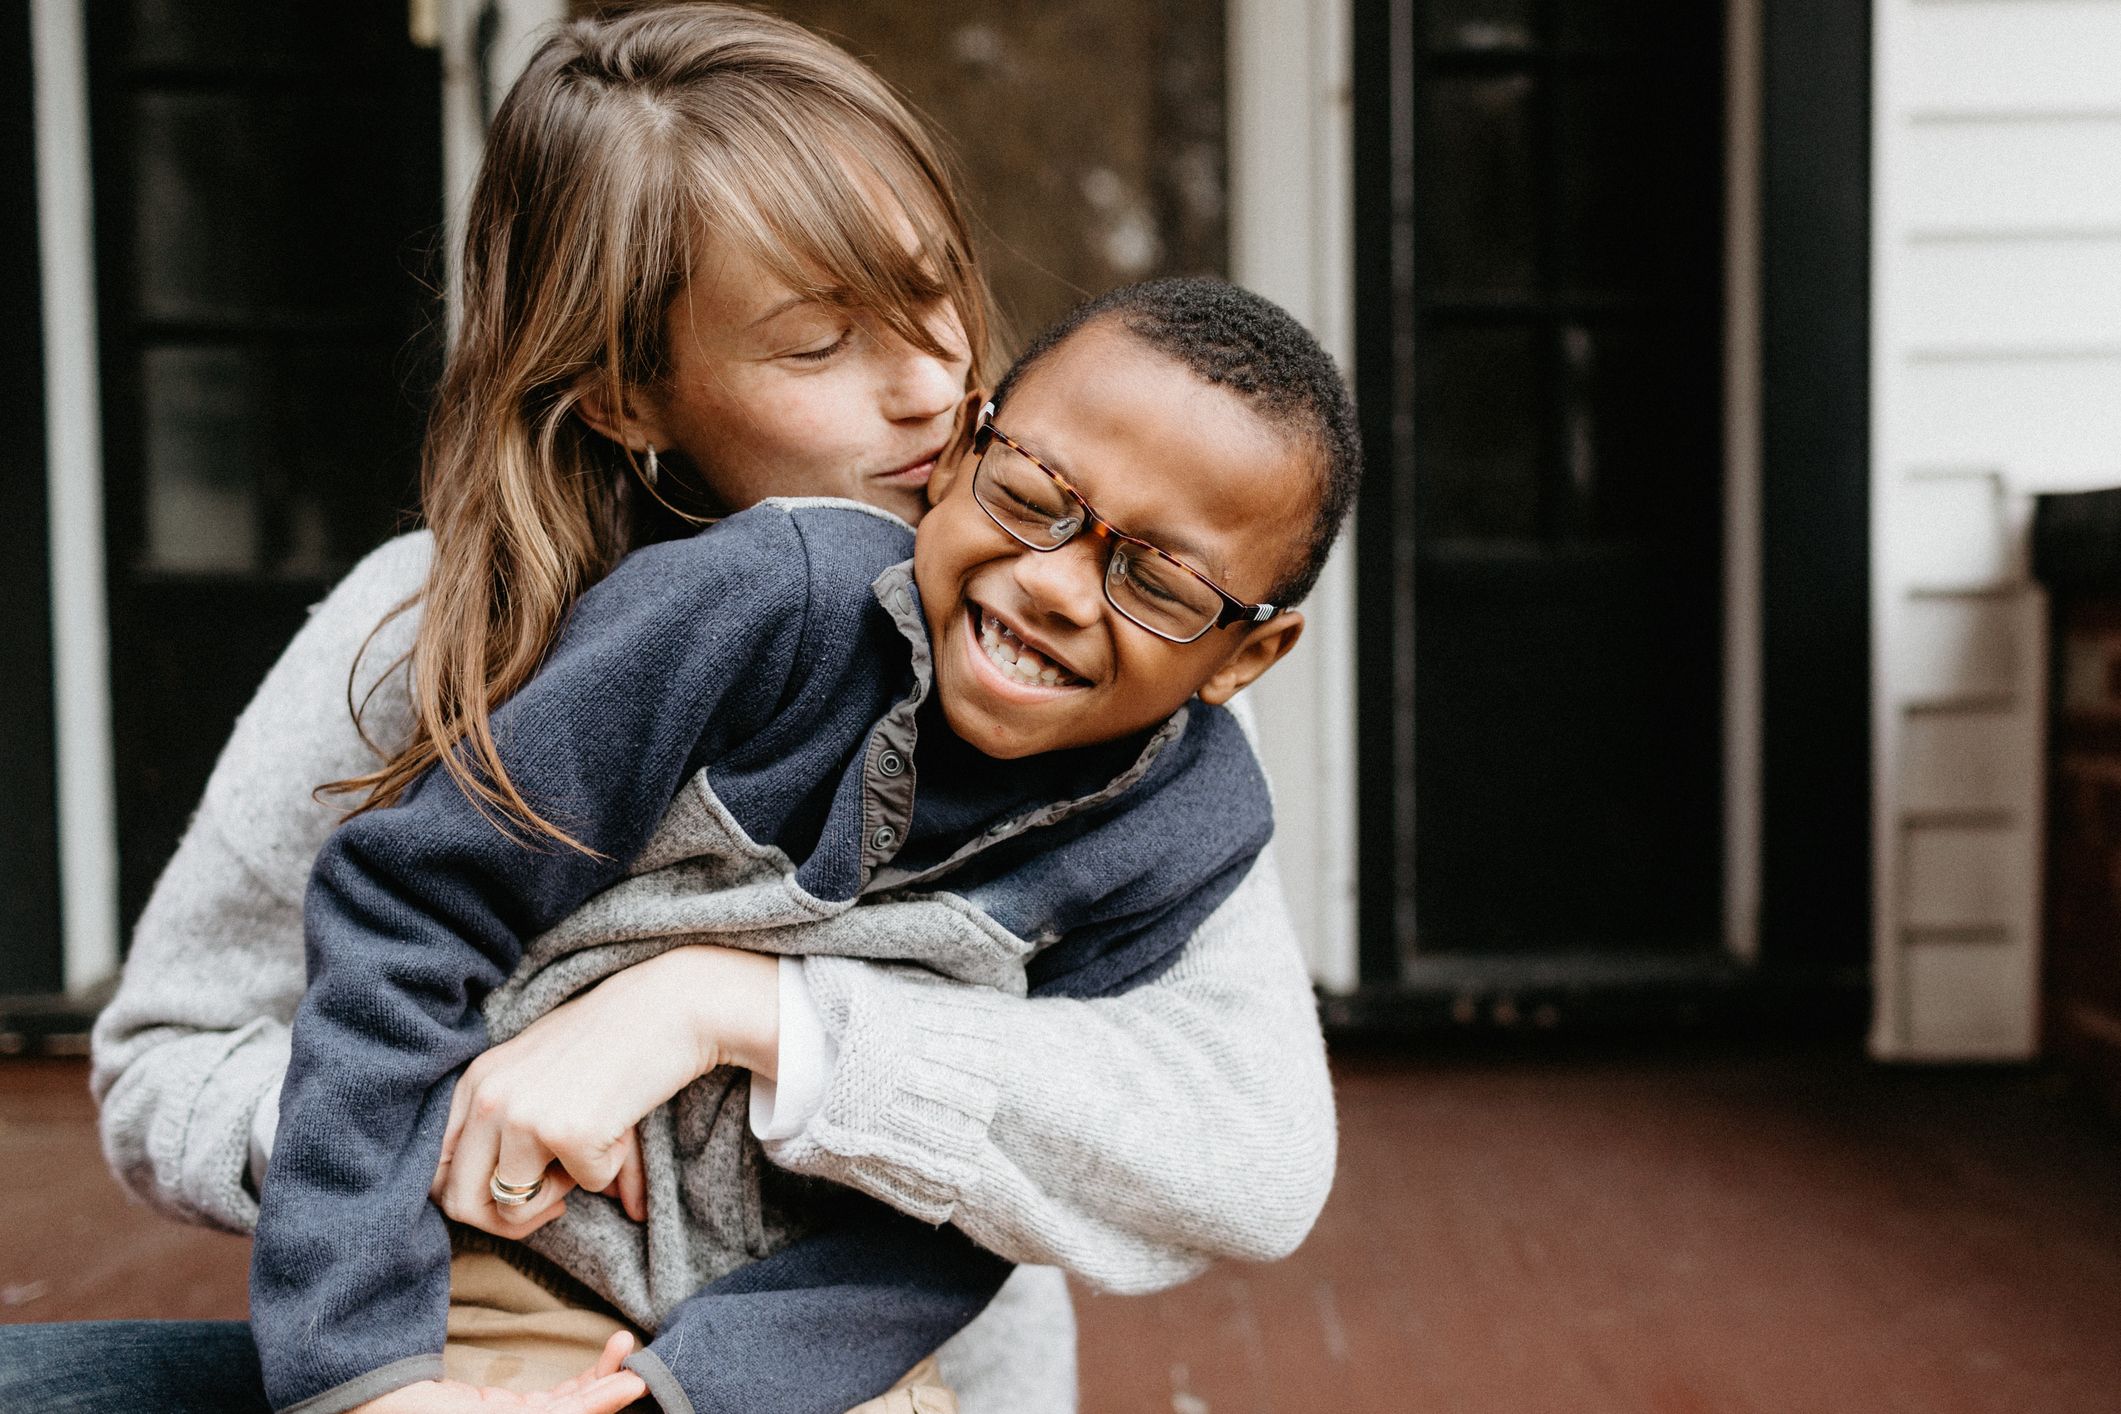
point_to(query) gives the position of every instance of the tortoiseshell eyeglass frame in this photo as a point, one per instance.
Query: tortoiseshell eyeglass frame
(1234, 609)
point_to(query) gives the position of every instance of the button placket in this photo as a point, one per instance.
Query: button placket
(889, 790)
(888, 777)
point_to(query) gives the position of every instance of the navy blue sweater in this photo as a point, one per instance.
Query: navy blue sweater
(775, 661)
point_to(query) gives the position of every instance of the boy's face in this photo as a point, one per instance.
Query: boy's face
(1178, 462)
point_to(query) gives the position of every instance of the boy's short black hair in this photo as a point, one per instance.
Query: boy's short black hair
(1238, 340)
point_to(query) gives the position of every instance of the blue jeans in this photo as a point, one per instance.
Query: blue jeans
(130, 1367)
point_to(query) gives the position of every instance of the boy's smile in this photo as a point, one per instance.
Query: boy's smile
(1021, 661)
(1030, 656)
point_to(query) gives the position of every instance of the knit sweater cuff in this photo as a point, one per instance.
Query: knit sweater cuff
(202, 1150)
(914, 1090)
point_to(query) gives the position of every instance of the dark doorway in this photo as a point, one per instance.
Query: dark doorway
(30, 954)
(1540, 339)
(268, 203)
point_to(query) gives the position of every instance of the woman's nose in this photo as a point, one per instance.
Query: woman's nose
(922, 387)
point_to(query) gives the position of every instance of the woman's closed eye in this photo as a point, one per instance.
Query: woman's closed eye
(820, 352)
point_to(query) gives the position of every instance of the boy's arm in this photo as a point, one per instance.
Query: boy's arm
(414, 913)
(835, 1319)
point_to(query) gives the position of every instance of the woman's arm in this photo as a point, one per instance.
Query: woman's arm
(187, 1057)
(1131, 1139)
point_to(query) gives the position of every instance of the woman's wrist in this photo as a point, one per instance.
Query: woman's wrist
(734, 1004)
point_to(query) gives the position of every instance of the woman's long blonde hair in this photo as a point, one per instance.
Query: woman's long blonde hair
(628, 144)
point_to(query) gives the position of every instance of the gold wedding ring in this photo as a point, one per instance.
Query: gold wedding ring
(513, 1195)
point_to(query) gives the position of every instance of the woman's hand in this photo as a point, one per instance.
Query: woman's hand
(601, 1389)
(573, 1085)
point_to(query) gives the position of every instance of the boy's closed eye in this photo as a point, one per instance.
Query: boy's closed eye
(1038, 650)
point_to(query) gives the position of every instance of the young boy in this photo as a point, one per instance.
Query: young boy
(994, 749)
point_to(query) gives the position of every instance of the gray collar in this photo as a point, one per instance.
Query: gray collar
(887, 798)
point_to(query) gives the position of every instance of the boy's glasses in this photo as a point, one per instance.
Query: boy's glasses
(1041, 511)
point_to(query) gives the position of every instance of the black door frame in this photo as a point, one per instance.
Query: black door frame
(176, 689)
(1814, 290)
(32, 950)
(1815, 915)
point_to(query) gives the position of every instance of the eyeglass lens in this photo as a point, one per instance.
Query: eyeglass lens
(1038, 511)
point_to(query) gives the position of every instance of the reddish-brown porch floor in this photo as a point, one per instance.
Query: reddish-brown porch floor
(1646, 1233)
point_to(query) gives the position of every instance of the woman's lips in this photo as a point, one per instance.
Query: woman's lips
(914, 474)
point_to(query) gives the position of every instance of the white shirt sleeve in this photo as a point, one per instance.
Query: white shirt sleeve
(264, 1128)
(780, 1107)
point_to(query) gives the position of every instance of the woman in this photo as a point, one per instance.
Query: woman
(710, 258)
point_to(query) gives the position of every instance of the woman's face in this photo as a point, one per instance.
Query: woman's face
(773, 395)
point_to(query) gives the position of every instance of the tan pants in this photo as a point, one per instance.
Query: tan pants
(508, 1332)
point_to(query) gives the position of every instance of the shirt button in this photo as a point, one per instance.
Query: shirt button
(891, 763)
(884, 838)
(1001, 827)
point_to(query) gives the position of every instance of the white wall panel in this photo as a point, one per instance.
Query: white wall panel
(88, 804)
(1956, 648)
(1966, 296)
(1975, 177)
(1963, 763)
(1291, 238)
(1965, 878)
(485, 44)
(2008, 56)
(1970, 1001)
(1995, 375)
(1952, 532)
(2047, 423)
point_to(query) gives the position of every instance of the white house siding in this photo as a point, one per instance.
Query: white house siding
(1996, 375)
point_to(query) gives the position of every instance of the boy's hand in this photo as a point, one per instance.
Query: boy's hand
(601, 1389)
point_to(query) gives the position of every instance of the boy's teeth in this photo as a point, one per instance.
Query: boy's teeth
(1013, 656)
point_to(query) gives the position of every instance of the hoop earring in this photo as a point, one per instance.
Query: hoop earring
(649, 470)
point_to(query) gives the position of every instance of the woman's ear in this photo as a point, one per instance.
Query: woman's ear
(957, 457)
(633, 423)
(1264, 646)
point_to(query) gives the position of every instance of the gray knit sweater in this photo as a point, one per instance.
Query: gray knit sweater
(1204, 1093)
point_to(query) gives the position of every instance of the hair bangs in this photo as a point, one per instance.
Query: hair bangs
(857, 226)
